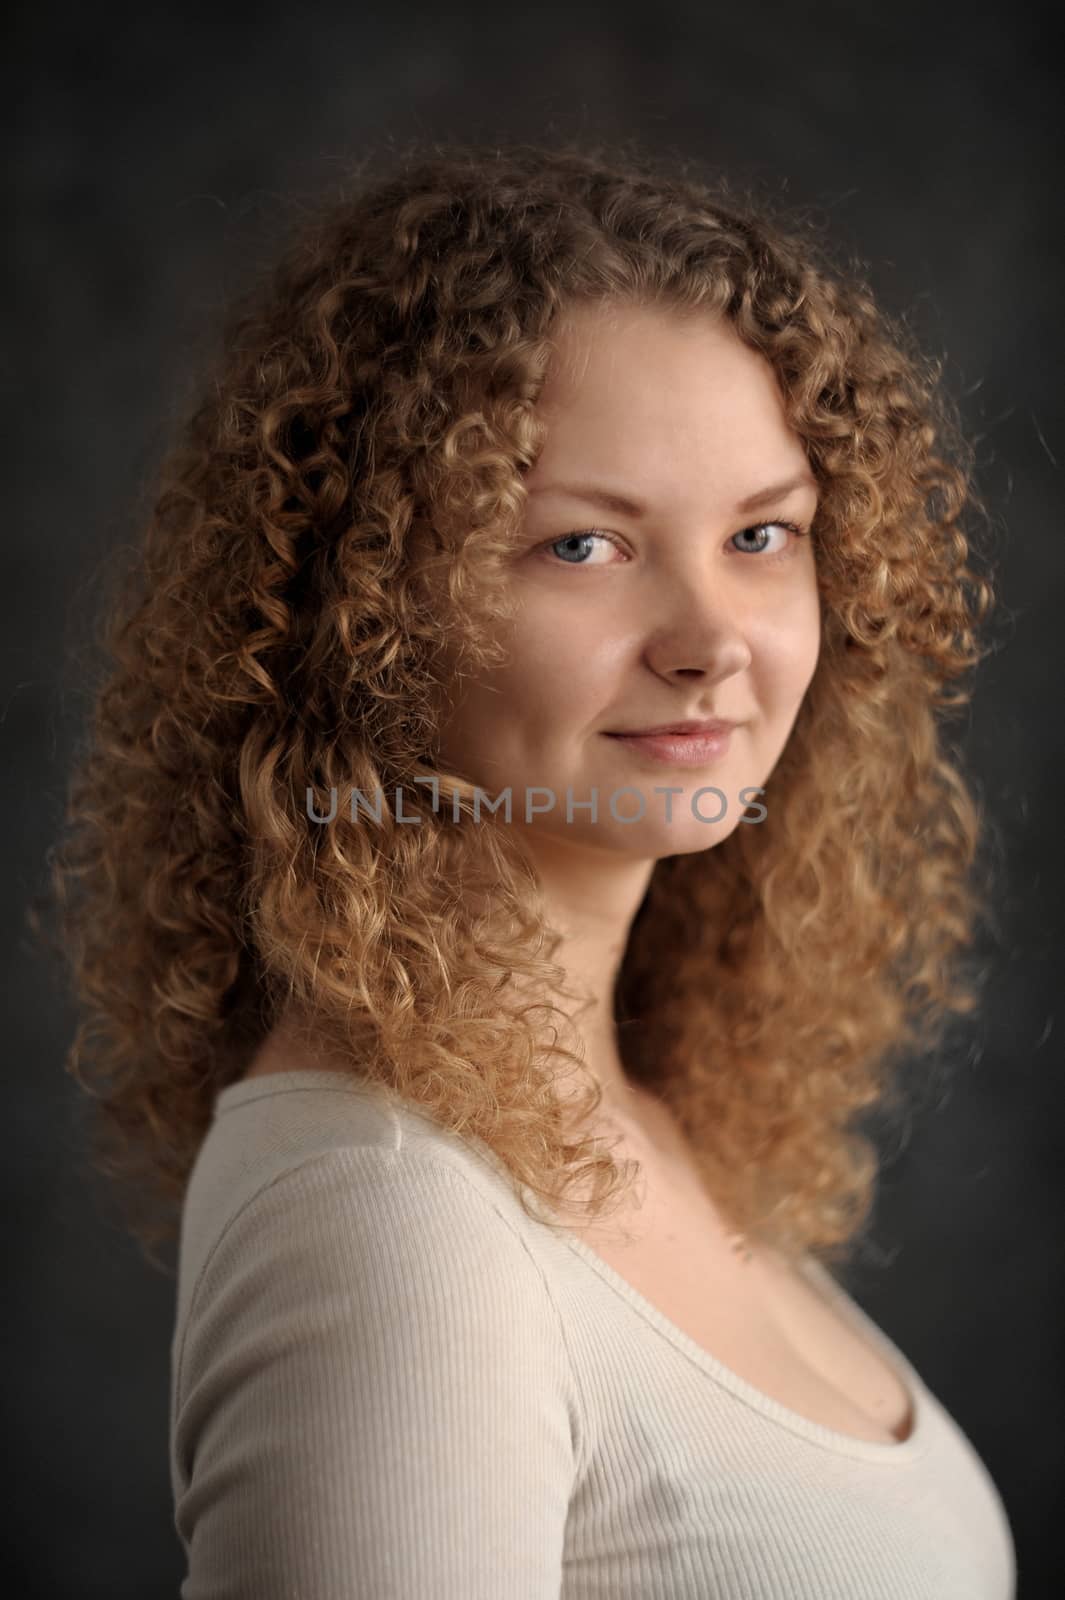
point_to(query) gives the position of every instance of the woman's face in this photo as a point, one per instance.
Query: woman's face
(680, 606)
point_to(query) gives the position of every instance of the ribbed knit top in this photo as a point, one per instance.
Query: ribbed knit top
(389, 1382)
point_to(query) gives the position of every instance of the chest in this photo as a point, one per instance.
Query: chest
(752, 1312)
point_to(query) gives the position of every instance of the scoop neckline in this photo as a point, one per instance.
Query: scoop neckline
(899, 1450)
(874, 1450)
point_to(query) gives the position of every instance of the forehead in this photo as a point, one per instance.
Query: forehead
(664, 397)
(590, 335)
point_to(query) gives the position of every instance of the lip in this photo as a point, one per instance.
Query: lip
(679, 749)
(707, 725)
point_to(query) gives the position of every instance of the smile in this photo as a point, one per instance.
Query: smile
(677, 749)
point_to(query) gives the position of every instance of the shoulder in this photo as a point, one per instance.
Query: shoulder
(309, 1190)
(371, 1330)
(411, 1199)
(315, 1145)
(415, 1239)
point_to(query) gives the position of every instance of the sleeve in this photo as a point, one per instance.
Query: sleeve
(374, 1397)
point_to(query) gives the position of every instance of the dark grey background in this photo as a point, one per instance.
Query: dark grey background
(152, 156)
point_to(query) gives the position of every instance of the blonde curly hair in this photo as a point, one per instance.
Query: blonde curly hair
(334, 517)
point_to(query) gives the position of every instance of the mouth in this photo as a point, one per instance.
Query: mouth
(708, 726)
(679, 747)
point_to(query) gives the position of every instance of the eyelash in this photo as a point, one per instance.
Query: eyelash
(757, 527)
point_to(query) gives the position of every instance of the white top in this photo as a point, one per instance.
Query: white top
(389, 1382)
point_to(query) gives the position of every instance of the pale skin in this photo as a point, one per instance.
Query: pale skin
(675, 620)
(685, 605)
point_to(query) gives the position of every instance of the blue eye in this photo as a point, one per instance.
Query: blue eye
(764, 527)
(578, 540)
(571, 548)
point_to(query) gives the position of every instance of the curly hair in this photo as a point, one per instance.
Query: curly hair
(336, 512)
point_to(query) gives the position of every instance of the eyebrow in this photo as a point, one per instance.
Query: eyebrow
(625, 506)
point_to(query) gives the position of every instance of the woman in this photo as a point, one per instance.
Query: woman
(503, 1052)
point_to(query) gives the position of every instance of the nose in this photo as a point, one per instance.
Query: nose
(698, 639)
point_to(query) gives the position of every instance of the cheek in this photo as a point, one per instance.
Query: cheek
(511, 711)
(812, 653)
(560, 669)
(803, 657)
(800, 635)
(788, 653)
